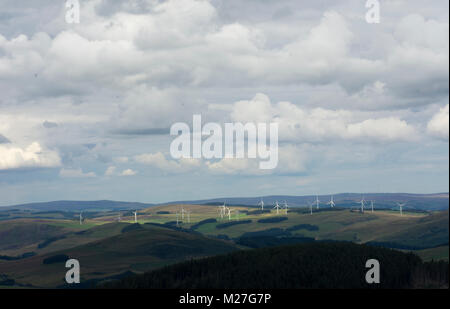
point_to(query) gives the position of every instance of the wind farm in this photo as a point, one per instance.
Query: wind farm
(227, 226)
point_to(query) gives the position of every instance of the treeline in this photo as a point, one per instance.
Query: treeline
(273, 220)
(310, 265)
(231, 223)
(206, 221)
(19, 257)
(394, 245)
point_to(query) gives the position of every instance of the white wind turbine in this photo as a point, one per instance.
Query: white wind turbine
(400, 205)
(261, 204)
(277, 207)
(188, 212)
(222, 210)
(317, 202)
(371, 204)
(311, 206)
(119, 218)
(286, 207)
(178, 218)
(229, 213)
(135, 216)
(331, 202)
(81, 217)
(362, 202)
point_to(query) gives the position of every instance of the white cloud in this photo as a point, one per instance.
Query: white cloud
(13, 157)
(438, 126)
(159, 160)
(298, 124)
(110, 171)
(75, 173)
(128, 172)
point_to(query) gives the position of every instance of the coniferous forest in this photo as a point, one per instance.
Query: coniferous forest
(308, 265)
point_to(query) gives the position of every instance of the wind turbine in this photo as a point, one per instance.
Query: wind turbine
(262, 204)
(188, 216)
(277, 207)
(286, 207)
(229, 213)
(317, 202)
(331, 202)
(81, 217)
(222, 210)
(362, 202)
(182, 213)
(401, 207)
(135, 216)
(178, 219)
(371, 204)
(311, 206)
(119, 218)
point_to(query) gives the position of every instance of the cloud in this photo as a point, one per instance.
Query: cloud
(298, 124)
(49, 124)
(438, 125)
(159, 161)
(33, 156)
(76, 173)
(4, 140)
(110, 171)
(128, 172)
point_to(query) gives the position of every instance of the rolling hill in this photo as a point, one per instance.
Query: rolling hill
(140, 249)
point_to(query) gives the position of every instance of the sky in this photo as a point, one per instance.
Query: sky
(86, 108)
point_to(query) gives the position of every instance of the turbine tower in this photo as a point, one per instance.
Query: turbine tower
(135, 216)
(119, 218)
(311, 207)
(277, 207)
(188, 212)
(261, 204)
(178, 218)
(81, 217)
(286, 207)
(331, 202)
(222, 210)
(371, 204)
(229, 213)
(317, 202)
(362, 202)
(400, 205)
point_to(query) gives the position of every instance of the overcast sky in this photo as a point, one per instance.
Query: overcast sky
(85, 109)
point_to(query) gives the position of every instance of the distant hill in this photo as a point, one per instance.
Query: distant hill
(425, 202)
(428, 202)
(78, 206)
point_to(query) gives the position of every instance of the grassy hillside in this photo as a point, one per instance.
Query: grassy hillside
(141, 249)
(426, 232)
(315, 265)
